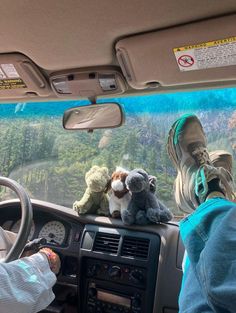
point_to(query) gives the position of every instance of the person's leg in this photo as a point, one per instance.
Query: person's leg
(206, 233)
(218, 158)
(196, 173)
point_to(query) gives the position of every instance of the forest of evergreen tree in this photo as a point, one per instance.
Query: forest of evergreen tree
(51, 162)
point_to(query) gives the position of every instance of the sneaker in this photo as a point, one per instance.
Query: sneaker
(218, 158)
(187, 150)
(221, 158)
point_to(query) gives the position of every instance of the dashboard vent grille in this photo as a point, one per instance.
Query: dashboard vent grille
(135, 247)
(107, 243)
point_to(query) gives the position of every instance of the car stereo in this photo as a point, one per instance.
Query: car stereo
(117, 270)
(106, 301)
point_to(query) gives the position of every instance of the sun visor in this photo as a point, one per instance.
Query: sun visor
(190, 54)
(21, 78)
(88, 83)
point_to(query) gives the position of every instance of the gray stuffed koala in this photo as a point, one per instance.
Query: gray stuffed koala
(144, 207)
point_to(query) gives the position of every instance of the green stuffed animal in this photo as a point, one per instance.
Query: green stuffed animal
(95, 199)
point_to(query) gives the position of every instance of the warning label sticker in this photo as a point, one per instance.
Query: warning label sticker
(10, 70)
(6, 84)
(9, 78)
(205, 55)
(2, 74)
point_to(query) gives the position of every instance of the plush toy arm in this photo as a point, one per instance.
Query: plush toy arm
(141, 218)
(84, 205)
(128, 215)
(166, 213)
(104, 206)
(113, 206)
(152, 201)
(125, 202)
(157, 211)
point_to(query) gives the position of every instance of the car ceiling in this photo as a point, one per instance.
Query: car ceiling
(67, 34)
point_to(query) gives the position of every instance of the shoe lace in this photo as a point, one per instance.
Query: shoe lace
(205, 173)
(201, 186)
(200, 154)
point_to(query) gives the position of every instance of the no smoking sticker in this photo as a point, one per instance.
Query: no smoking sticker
(212, 54)
(185, 60)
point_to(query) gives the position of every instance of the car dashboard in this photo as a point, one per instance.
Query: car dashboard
(106, 267)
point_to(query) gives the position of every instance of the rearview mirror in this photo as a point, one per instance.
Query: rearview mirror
(94, 116)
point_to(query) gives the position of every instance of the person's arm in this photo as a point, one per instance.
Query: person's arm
(26, 284)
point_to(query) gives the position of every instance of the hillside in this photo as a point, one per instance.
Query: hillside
(51, 162)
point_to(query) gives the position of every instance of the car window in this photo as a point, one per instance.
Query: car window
(51, 162)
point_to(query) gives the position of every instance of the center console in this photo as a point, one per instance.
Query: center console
(118, 270)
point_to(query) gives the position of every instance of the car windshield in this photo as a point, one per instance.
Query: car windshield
(51, 162)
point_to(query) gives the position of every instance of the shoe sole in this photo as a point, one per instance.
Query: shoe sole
(182, 203)
(172, 137)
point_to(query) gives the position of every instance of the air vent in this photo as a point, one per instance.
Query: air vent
(107, 243)
(135, 247)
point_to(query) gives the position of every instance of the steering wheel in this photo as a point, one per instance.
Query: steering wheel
(26, 219)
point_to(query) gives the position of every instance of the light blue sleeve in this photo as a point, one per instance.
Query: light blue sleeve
(26, 285)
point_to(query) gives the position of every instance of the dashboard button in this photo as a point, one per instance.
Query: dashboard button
(77, 236)
(136, 276)
(92, 270)
(92, 292)
(114, 271)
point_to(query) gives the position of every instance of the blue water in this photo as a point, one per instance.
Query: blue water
(220, 99)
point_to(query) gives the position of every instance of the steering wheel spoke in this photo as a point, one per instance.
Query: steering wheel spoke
(26, 219)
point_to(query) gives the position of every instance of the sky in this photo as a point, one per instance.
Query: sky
(159, 103)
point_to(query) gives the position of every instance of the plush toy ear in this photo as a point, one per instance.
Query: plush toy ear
(113, 175)
(105, 170)
(141, 172)
(121, 169)
(108, 186)
(123, 176)
(152, 183)
(92, 170)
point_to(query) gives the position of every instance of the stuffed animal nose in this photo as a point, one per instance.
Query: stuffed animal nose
(117, 185)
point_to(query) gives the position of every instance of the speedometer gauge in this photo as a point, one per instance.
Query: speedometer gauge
(7, 225)
(15, 229)
(54, 232)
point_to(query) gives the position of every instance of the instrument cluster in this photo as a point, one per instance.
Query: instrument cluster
(53, 231)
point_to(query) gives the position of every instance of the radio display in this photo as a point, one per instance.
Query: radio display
(109, 297)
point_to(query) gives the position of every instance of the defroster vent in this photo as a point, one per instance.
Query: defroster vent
(135, 247)
(107, 243)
